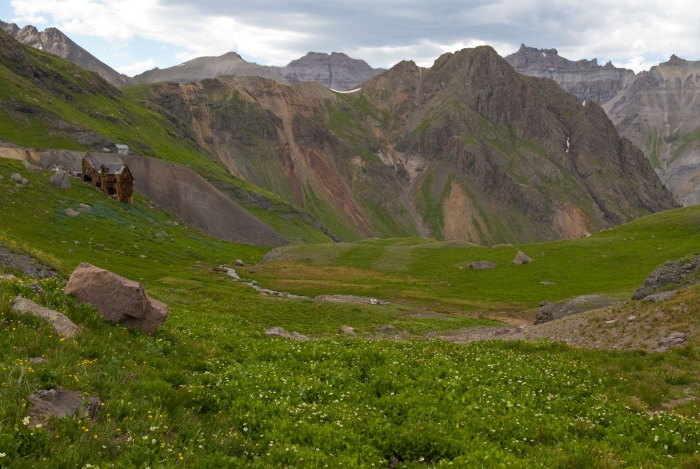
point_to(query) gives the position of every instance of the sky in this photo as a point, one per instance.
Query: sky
(137, 35)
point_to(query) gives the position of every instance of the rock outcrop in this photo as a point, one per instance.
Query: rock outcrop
(670, 276)
(59, 322)
(281, 333)
(553, 311)
(53, 41)
(117, 299)
(60, 403)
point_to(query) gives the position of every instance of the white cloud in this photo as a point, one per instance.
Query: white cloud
(137, 67)
(633, 33)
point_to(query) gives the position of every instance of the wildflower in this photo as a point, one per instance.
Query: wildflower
(25, 420)
(2, 455)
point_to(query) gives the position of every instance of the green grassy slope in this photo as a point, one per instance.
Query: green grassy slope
(47, 102)
(209, 390)
(613, 262)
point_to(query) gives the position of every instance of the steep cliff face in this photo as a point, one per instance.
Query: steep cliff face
(660, 113)
(55, 42)
(584, 78)
(467, 149)
(336, 71)
(657, 110)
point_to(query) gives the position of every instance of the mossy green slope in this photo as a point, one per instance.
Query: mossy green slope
(613, 262)
(47, 102)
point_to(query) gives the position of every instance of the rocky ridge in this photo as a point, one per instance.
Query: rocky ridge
(657, 110)
(467, 149)
(55, 42)
(336, 70)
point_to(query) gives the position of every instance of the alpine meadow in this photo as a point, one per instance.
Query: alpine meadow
(482, 262)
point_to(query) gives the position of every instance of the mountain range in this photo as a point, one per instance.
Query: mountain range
(657, 110)
(467, 149)
(336, 70)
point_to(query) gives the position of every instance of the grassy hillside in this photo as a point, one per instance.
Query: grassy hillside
(613, 262)
(209, 390)
(47, 102)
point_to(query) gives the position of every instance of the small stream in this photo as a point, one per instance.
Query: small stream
(254, 284)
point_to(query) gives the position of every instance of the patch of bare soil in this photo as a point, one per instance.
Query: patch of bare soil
(24, 263)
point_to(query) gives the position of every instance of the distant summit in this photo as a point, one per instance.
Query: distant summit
(336, 70)
(657, 110)
(55, 42)
(584, 78)
(201, 68)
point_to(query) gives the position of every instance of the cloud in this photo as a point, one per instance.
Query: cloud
(137, 67)
(383, 32)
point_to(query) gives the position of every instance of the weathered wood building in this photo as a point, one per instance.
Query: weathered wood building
(110, 174)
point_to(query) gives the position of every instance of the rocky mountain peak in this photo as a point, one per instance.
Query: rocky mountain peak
(336, 70)
(53, 41)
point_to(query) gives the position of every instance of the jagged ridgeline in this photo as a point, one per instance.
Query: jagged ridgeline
(467, 149)
(49, 103)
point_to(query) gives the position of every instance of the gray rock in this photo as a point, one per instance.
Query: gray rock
(161, 234)
(60, 403)
(101, 246)
(239, 263)
(60, 323)
(632, 318)
(347, 330)
(60, 179)
(675, 339)
(521, 258)
(480, 265)
(279, 332)
(29, 167)
(547, 283)
(85, 208)
(24, 181)
(552, 311)
(385, 329)
(16, 177)
(72, 213)
(670, 276)
(37, 361)
(659, 297)
(36, 288)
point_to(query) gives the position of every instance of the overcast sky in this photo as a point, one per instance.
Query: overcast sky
(136, 35)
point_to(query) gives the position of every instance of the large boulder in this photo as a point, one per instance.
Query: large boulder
(60, 179)
(118, 299)
(670, 276)
(521, 258)
(552, 311)
(70, 161)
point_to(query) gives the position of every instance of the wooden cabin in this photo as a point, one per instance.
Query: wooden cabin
(111, 175)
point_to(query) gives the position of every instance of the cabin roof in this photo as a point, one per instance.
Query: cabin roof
(97, 159)
(113, 168)
(122, 147)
